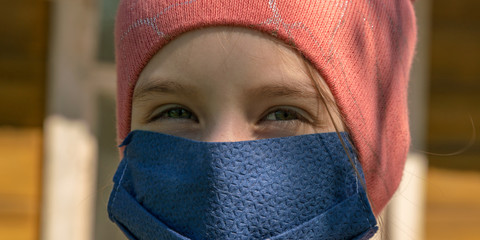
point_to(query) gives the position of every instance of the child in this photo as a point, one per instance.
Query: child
(244, 119)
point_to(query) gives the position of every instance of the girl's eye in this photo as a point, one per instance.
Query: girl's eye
(282, 115)
(176, 113)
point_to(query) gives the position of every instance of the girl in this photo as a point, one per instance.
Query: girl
(260, 119)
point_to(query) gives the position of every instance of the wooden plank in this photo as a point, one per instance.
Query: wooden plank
(22, 105)
(453, 205)
(23, 50)
(20, 182)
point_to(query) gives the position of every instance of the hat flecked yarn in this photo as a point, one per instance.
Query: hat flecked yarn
(363, 49)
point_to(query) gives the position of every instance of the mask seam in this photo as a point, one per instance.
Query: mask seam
(365, 209)
(119, 183)
(356, 179)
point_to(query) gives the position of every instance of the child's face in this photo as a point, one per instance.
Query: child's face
(222, 85)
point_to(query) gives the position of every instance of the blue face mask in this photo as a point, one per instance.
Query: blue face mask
(300, 187)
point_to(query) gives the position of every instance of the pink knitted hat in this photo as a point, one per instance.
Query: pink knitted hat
(362, 48)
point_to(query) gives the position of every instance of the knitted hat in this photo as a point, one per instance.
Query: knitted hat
(363, 49)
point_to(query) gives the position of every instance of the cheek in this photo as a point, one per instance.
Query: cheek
(284, 130)
(140, 114)
(136, 122)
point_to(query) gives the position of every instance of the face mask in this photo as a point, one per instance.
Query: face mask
(300, 187)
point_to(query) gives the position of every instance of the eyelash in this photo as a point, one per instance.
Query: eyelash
(161, 115)
(297, 116)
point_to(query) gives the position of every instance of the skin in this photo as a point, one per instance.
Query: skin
(228, 84)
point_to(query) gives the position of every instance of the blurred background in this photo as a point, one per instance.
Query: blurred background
(57, 123)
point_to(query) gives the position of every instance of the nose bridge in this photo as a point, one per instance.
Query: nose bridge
(227, 126)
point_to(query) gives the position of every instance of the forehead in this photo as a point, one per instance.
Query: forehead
(221, 56)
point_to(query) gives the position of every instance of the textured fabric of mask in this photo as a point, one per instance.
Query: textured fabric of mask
(300, 187)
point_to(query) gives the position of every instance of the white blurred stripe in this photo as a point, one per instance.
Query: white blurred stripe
(69, 180)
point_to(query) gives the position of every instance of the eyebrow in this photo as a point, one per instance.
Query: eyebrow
(162, 87)
(284, 90)
(270, 90)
